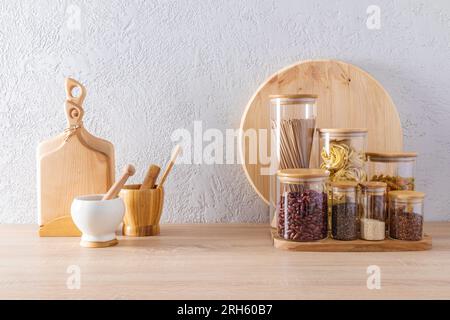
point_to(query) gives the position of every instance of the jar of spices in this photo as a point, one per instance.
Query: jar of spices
(293, 123)
(302, 207)
(344, 210)
(397, 169)
(372, 201)
(342, 153)
(406, 215)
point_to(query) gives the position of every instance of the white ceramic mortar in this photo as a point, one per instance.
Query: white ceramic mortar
(97, 219)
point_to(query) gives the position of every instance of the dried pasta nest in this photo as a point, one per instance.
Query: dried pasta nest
(343, 162)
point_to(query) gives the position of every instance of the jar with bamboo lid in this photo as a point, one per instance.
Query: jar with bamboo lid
(372, 203)
(344, 210)
(406, 214)
(397, 169)
(342, 153)
(302, 204)
(293, 123)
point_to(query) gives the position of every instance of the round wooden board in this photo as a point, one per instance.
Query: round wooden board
(348, 98)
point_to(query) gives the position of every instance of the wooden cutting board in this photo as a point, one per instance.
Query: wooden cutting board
(71, 164)
(348, 98)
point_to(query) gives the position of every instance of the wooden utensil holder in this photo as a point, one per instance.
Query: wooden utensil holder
(143, 210)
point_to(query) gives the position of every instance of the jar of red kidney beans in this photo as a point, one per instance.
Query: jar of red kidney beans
(302, 209)
(406, 215)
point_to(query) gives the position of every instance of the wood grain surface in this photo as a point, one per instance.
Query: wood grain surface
(71, 170)
(214, 261)
(348, 98)
(60, 226)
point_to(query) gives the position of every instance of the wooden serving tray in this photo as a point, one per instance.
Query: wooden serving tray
(331, 245)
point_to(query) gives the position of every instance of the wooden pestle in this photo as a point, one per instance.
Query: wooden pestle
(128, 171)
(150, 177)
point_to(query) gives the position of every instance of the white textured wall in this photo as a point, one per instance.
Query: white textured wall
(151, 67)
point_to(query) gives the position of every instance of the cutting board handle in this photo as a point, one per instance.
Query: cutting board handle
(70, 85)
(74, 109)
(74, 114)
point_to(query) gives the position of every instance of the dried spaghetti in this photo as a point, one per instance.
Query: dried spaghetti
(295, 142)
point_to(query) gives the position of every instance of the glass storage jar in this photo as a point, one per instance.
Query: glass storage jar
(302, 205)
(372, 203)
(397, 169)
(406, 215)
(293, 123)
(342, 153)
(344, 210)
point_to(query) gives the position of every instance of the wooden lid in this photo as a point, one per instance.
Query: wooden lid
(374, 185)
(342, 130)
(302, 174)
(293, 96)
(391, 155)
(406, 195)
(344, 184)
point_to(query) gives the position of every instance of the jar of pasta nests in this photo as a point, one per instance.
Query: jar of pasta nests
(342, 153)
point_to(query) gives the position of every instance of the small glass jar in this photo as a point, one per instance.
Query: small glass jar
(397, 169)
(372, 202)
(302, 207)
(342, 153)
(344, 210)
(293, 123)
(406, 215)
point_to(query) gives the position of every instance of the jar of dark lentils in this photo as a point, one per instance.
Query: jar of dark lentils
(344, 210)
(406, 215)
(302, 210)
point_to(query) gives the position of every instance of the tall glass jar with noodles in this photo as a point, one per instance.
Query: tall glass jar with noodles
(293, 123)
(342, 154)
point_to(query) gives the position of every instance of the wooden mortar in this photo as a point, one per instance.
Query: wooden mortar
(143, 210)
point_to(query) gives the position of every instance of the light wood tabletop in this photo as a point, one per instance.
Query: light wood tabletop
(212, 261)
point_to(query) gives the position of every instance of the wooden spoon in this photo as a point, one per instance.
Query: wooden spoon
(128, 171)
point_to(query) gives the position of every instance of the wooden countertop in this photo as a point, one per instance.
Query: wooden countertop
(213, 261)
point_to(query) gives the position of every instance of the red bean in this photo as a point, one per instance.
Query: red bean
(306, 216)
